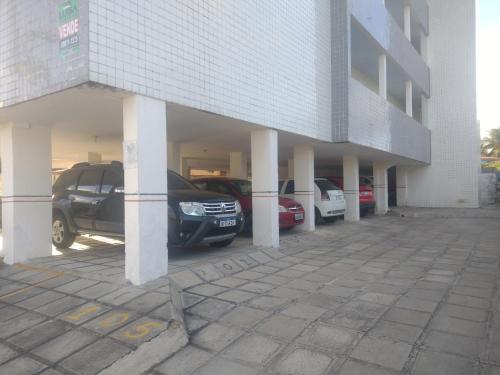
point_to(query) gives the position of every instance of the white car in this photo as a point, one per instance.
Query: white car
(329, 202)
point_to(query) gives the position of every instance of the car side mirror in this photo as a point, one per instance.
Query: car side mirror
(119, 190)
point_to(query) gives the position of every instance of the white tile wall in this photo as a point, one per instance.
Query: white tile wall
(452, 179)
(266, 62)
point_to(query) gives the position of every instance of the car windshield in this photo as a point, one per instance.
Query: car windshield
(176, 182)
(325, 185)
(243, 187)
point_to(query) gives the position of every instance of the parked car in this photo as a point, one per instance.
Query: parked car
(89, 199)
(291, 213)
(329, 202)
(366, 197)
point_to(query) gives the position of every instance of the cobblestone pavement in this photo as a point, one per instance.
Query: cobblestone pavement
(389, 295)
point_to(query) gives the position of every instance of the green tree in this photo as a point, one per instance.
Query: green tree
(490, 146)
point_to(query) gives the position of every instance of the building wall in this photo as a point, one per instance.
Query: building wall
(452, 179)
(31, 62)
(266, 62)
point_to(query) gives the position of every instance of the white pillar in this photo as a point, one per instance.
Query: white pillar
(303, 162)
(94, 157)
(26, 155)
(380, 188)
(146, 208)
(265, 187)
(409, 98)
(382, 76)
(351, 187)
(238, 165)
(402, 186)
(174, 156)
(291, 168)
(407, 22)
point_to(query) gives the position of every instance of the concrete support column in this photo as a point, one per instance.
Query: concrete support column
(174, 157)
(303, 161)
(407, 22)
(402, 186)
(146, 189)
(351, 187)
(382, 76)
(265, 187)
(380, 188)
(409, 98)
(291, 168)
(26, 154)
(238, 165)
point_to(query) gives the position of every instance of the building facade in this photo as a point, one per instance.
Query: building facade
(316, 84)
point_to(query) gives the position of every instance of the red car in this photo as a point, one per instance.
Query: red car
(291, 213)
(366, 198)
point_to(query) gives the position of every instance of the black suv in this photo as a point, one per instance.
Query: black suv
(89, 199)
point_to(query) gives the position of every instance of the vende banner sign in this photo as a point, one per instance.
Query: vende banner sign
(68, 27)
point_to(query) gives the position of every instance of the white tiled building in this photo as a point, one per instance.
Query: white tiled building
(343, 84)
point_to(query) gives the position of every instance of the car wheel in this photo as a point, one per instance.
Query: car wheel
(62, 238)
(248, 229)
(222, 243)
(331, 219)
(318, 219)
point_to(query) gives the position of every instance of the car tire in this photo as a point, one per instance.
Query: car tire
(318, 219)
(331, 219)
(248, 228)
(62, 238)
(222, 243)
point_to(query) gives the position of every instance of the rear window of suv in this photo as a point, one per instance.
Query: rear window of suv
(66, 181)
(176, 182)
(325, 185)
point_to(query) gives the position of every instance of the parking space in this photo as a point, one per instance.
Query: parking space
(387, 295)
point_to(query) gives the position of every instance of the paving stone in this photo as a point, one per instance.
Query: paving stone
(211, 309)
(458, 299)
(9, 312)
(405, 316)
(19, 293)
(96, 291)
(186, 279)
(140, 331)
(60, 306)
(283, 292)
(396, 331)
(416, 304)
(300, 310)
(382, 352)
(425, 294)
(22, 366)
(329, 338)
(207, 272)
(463, 312)
(275, 280)
(38, 334)
(95, 357)
(303, 362)
(458, 326)
(282, 326)
(257, 287)
(40, 300)
(189, 299)
(456, 344)
(75, 286)
(229, 282)
(110, 321)
(146, 302)
(473, 292)
(84, 313)
(65, 345)
(20, 323)
(430, 363)
(163, 312)
(184, 362)
(248, 275)
(236, 296)
(244, 317)
(194, 323)
(121, 296)
(382, 299)
(51, 371)
(215, 337)
(208, 290)
(268, 302)
(359, 368)
(253, 349)
(220, 366)
(6, 353)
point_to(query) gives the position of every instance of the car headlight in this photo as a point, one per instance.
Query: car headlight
(237, 207)
(283, 208)
(192, 208)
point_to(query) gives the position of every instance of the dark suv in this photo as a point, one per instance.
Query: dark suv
(89, 199)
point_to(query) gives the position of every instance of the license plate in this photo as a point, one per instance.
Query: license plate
(299, 217)
(227, 223)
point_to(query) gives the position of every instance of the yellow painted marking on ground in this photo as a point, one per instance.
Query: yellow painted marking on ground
(115, 319)
(82, 312)
(141, 330)
(54, 275)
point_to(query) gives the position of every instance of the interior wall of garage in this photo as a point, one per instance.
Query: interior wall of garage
(265, 62)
